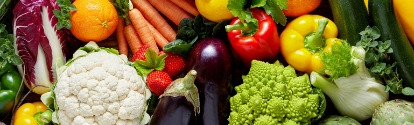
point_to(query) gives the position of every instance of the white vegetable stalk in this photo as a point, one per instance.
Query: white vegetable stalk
(355, 96)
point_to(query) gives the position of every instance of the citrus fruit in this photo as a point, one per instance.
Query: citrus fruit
(301, 7)
(214, 10)
(94, 20)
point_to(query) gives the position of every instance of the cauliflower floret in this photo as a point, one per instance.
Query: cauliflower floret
(100, 88)
(272, 94)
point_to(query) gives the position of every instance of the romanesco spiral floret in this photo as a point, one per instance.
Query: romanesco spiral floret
(264, 120)
(272, 94)
(300, 86)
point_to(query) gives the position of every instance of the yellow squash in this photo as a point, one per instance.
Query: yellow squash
(303, 39)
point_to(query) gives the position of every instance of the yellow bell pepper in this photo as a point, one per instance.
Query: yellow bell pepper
(25, 113)
(404, 12)
(303, 39)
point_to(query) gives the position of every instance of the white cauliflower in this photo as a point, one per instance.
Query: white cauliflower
(99, 87)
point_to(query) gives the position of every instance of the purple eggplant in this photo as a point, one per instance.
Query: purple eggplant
(213, 61)
(179, 104)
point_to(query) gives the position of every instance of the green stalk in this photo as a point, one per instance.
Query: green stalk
(328, 87)
(314, 41)
(248, 29)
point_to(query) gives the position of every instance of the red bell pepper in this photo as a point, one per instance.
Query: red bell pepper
(263, 45)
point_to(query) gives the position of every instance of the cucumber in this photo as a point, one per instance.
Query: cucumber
(383, 17)
(351, 17)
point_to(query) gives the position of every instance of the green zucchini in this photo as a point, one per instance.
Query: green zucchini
(383, 17)
(4, 8)
(351, 17)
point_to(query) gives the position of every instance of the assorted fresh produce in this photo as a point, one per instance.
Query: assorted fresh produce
(11, 88)
(383, 16)
(206, 62)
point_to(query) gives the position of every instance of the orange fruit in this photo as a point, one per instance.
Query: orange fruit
(94, 20)
(301, 7)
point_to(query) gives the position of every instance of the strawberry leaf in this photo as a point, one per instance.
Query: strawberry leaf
(151, 63)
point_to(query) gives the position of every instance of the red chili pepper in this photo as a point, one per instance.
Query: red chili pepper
(263, 45)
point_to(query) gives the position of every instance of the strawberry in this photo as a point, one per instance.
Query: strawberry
(174, 64)
(158, 81)
(140, 54)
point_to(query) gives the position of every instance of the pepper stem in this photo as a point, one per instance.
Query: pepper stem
(314, 41)
(246, 28)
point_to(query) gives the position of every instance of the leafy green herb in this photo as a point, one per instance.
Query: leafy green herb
(63, 15)
(240, 9)
(339, 58)
(190, 31)
(379, 62)
(122, 8)
(7, 51)
(151, 63)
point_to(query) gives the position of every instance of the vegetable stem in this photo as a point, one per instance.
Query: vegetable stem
(246, 28)
(314, 41)
(189, 79)
(324, 84)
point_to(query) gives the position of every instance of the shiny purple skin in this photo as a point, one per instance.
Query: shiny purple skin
(173, 111)
(213, 61)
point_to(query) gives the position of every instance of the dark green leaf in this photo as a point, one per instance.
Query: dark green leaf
(257, 3)
(179, 47)
(186, 33)
(219, 30)
(192, 42)
(186, 22)
(273, 8)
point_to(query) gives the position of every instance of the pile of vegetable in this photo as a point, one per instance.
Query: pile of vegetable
(206, 62)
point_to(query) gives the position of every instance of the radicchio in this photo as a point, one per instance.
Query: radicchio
(39, 44)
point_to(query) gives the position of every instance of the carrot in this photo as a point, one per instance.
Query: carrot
(132, 38)
(141, 26)
(159, 39)
(122, 43)
(155, 18)
(186, 6)
(170, 10)
(192, 2)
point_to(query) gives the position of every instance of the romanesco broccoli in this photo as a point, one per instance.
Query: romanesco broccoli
(272, 94)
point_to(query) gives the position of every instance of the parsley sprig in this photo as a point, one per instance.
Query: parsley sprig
(122, 8)
(379, 62)
(7, 52)
(240, 9)
(63, 15)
